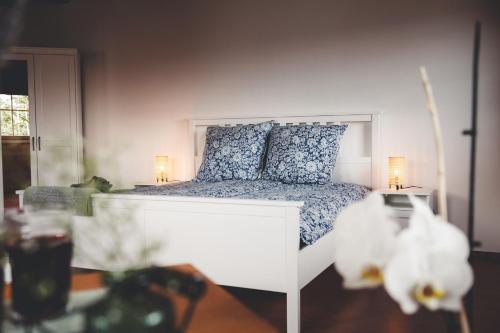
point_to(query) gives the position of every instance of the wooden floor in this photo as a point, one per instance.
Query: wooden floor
(327, 307)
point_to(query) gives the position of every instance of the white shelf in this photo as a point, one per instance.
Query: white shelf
(406, 191)
(399, 201)
(153, 183)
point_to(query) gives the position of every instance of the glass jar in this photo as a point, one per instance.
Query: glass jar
(39, 247)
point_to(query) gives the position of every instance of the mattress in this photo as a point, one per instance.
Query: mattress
(322, 203)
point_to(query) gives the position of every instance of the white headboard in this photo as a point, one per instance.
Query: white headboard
(358, 156)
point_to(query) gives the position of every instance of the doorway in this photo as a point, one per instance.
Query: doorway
(15, 129)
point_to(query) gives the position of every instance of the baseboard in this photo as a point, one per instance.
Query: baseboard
(486, 256)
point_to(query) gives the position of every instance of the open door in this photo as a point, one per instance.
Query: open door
(17, 127)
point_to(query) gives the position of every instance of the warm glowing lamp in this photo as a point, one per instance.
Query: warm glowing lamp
(161, 165)
(396, 172)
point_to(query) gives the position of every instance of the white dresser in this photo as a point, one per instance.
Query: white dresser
(399, 201)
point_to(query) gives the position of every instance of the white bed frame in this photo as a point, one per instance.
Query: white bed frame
(225, 238)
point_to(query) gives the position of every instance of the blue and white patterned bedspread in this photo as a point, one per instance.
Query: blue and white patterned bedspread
(322, 203)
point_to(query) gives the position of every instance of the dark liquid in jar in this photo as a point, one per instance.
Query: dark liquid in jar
(41, 275)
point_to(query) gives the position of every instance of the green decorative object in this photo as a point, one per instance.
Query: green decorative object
(98, 183)
(137, 302)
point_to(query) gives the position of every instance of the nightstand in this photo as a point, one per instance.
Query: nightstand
(399, 201)
(152, 183)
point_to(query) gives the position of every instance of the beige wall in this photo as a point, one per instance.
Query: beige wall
(149, 65)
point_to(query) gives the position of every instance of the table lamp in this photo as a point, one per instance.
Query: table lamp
(161, 167)
(396, 172)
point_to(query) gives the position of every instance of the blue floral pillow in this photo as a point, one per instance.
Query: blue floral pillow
(234, 152)
(303, 154)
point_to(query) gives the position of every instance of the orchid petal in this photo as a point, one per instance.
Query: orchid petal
(456, 276)
(432, 254)
(435, 233)
(400, 275)
(365, 239)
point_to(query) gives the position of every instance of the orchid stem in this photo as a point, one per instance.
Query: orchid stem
(431, 106)
(442, 207)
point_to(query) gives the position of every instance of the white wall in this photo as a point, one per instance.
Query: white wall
(148, 67)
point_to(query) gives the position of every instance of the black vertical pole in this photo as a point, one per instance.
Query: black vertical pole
(472, 132)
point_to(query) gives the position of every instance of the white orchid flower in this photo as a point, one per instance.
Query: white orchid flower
(365, 239)
(430, 264)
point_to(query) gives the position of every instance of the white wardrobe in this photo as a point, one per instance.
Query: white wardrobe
(55, 114)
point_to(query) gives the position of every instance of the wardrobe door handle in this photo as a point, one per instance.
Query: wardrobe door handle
(33, 143)
(39, 143)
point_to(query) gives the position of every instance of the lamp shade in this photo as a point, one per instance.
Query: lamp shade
(161, 169)
(397, 172)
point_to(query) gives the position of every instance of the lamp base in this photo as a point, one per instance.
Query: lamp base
(162, 180)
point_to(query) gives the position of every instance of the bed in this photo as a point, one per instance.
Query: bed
(243, 239)
(321, 203)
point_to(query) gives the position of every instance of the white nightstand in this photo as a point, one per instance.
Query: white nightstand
(153, 183)
(399, 201)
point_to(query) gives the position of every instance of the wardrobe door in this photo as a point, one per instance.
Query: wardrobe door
(57, 120)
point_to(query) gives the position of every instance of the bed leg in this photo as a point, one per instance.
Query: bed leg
(20, 194)
(292, 262)
(293, 311)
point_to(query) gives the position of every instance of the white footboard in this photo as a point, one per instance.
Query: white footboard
(242, 243)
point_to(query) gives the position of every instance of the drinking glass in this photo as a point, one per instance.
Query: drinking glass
(39, 246)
